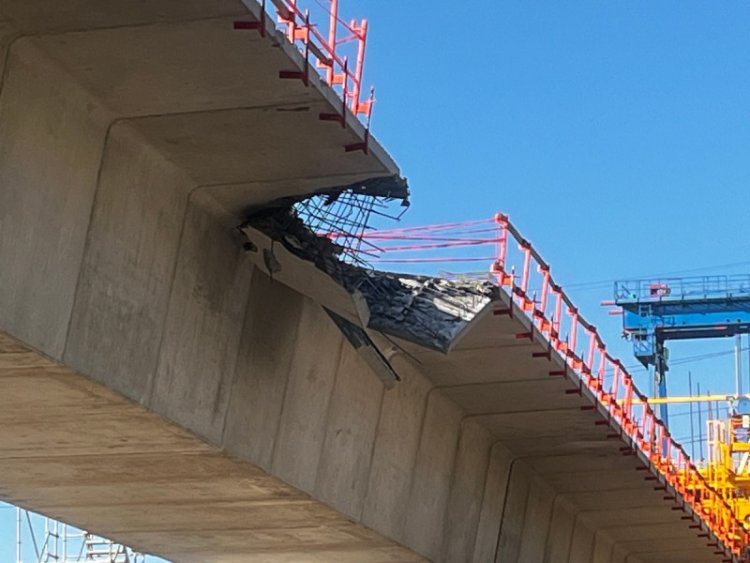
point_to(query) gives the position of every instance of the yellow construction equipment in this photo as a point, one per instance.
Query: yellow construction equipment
(727, 463)
(693, 399)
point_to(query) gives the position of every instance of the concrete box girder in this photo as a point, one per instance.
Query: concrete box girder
(208, 96)
(132, 476)
(236, 146)
(109, 144)
(41, 17)
(132, 135)
(546, 427)
(519, 396)
(166, 68)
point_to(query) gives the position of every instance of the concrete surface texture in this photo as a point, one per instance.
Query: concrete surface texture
(160, 389)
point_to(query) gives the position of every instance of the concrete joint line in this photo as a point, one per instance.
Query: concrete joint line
(279, 418)
(366, 497)
(233, 375)
(484, 486)
(264, 107)
(6, 61)
(427, 399)
(484, 383)
(327, 417)
(555, 500)
(256, 182)
(534, 411)
(456, 449)
(511, 468)
(135, 25)
(146, 400)
(611, 549)
(283, 404)
(576, 522)
(490, 454)
(105, 144)
(22, 35)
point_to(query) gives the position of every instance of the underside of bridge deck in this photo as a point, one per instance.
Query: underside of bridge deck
(164, 386)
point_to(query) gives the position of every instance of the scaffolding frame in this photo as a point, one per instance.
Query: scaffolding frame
(56, 542)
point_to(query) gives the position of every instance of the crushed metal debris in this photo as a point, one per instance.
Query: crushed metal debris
(341, 211)
(427, 310)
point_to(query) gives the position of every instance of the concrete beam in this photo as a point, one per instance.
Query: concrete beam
(218, 414)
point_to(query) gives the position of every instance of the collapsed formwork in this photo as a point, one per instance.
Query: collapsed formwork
(328, 231)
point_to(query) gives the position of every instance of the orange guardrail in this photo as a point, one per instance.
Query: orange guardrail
(323, 50)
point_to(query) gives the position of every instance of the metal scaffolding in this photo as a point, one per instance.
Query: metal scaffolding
(655, 311)
(40, 539)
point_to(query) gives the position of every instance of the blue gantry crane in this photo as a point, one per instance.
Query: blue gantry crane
(658, 310)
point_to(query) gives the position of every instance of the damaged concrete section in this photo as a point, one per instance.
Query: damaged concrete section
(428, 311)
(431, 312)
(392, 187)
(342, 213)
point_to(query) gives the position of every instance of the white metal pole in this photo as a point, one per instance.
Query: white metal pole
(18, 535)
(692, 423)
(700, 427)
(738, 364)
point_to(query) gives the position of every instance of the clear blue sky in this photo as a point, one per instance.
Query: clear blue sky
(615, 134)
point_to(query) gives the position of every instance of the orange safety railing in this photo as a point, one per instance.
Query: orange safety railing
(584, 355)
(325, 50)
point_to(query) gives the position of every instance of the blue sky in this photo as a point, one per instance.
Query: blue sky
(615, 134)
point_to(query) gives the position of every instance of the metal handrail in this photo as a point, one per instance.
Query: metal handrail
(669, 288)
(338, 71)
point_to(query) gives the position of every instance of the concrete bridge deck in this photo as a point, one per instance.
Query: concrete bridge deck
(160, 389)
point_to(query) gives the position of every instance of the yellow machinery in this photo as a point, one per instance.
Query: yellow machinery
(727, 463)
(727, 466)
